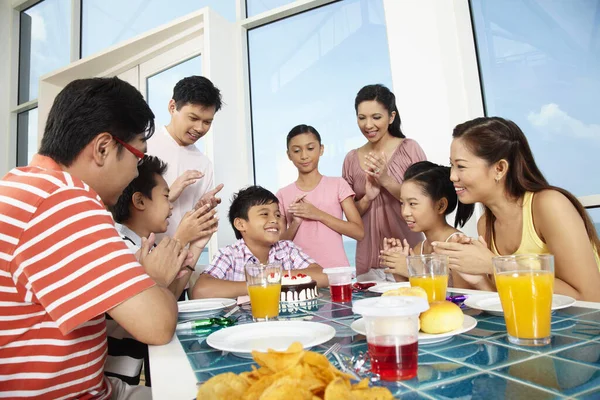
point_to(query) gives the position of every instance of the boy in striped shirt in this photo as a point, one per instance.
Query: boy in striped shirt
(62, 262)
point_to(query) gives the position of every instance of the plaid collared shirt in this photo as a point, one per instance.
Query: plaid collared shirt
(230, 261)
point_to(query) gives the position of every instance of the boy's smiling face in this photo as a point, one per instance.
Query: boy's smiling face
(263, 226)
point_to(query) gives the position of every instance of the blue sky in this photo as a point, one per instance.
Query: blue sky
(540, 65)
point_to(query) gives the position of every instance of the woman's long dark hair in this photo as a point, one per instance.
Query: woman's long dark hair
(386, 98)
(435, 181)
(494, 139)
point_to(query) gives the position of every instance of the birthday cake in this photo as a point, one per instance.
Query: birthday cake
(298, 288)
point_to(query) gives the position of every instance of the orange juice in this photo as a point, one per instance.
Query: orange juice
(434, 285)
(526, 298)
(265, 300)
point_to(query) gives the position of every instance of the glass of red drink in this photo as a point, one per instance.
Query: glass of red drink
(340, 283)
(392, 325)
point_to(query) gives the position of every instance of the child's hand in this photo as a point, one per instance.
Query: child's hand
(197, 224)
(186, 179)
(305, 210)
(394, 255)
(297, 200)
(372, 188)
(396, 245)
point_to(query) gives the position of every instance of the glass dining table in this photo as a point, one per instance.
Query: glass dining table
(477, 364)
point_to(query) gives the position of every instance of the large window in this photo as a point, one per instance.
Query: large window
(27, 134)
(44, 43)
(255, 7)
(106, 22)
(540, 67)
(307, 69)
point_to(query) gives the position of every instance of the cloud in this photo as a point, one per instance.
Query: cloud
(553, 121)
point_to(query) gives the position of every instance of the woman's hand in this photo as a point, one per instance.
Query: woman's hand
(372, 189)
(469, 257)
(378, 168)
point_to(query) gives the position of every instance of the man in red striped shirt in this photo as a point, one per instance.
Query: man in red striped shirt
(62, 262)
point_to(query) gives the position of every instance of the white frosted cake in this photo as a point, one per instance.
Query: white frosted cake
(298, 288)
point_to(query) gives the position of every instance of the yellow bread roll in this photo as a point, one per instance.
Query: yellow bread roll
(442, 317)
(407, 291)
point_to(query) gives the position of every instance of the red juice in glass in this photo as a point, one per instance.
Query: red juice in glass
(393, 361)
(341, 293)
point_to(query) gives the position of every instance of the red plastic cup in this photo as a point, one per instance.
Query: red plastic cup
(340, 283)
(392, 325)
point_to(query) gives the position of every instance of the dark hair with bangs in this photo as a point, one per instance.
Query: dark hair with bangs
(197, 90)
(245, 199)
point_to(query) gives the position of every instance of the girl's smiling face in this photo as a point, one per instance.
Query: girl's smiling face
(418, 209)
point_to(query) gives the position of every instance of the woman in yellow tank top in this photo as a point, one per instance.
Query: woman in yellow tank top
(493, 164)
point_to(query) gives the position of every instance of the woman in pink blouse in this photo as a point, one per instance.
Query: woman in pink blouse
(375, 172)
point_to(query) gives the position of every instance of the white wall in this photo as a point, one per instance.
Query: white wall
(7, 153)
(434, 72)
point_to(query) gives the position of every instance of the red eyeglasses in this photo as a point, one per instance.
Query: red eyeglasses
(131, 149)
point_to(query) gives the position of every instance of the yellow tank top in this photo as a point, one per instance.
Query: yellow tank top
(530, 241)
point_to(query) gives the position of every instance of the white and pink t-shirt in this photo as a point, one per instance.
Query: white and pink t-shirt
(316, 239)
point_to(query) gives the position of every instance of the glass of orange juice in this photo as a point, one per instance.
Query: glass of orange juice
(525, 284)
(264, 288)
(429, 272)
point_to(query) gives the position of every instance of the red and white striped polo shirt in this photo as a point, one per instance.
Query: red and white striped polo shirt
(62, 265)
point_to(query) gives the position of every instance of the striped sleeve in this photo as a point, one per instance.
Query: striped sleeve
(72, 260)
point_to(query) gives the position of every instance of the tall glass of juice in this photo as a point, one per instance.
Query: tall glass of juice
(525, 284)
(264, 288)
(392, 325)
(429, 272)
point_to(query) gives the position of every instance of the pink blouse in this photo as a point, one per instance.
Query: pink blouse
(383, 218)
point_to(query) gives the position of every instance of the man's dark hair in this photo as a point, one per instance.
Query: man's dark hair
(144, 183)
(197, 90)
(88, 107)
(245, 199)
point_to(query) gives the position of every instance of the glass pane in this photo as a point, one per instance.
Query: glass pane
(595, 215)
(255, 7)
(540, 67)
(127, 19)
(160, 90)
(44, 43)
(27, 136)
(308, 69)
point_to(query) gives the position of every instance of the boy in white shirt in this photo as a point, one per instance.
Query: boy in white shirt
(190, 174)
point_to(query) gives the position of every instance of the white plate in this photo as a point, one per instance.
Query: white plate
(490, 303)
(203, 307)
(276, 335)
(425, 338)
(383, 287)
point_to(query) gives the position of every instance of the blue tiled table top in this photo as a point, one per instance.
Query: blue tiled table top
(478, 364)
